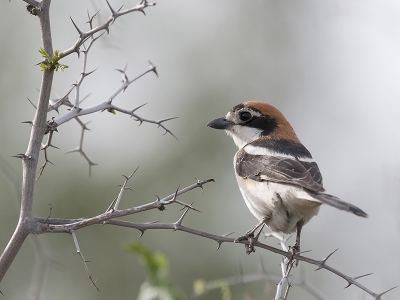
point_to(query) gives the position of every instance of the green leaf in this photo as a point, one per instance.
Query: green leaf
(45, 54)
(156, 263)
(52, 62)
(157, 287)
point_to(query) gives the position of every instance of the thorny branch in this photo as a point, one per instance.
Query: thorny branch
(84, 36)
(39, 128)
(74, 108)
(177, 226)
(42, 227)
(109, 218)
(47, 224)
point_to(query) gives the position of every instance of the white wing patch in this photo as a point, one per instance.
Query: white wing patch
(254, 150)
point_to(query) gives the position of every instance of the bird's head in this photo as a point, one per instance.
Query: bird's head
(252, 120)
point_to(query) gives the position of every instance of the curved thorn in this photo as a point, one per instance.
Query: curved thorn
(219, 246)
(381, 294)
(349, 284)
(326, 258)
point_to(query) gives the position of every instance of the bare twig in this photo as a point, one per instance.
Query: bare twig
(112, 214)
(123, 188)
(44, 148)
(84, 36)
(79, 149)
(84, 261)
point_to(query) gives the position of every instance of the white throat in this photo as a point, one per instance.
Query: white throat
(242, 135)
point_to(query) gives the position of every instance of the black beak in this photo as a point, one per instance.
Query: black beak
(220, 123)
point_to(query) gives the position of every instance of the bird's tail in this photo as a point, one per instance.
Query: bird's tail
(339, 204)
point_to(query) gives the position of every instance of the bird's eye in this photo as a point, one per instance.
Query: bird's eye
(245, 116)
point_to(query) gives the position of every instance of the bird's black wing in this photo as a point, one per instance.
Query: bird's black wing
(279, 169)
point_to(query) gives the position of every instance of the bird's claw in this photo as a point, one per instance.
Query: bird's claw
(293, 250)
(251, 239)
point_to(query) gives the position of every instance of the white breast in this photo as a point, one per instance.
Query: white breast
(282, 205)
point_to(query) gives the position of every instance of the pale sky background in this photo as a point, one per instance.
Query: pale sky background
(332, 67)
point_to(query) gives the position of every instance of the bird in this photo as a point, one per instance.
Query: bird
(279, 180)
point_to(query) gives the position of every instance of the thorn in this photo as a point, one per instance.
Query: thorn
(22, 156)
(73, 150)
(51, 208)
(153, 222)
(97, 37)
(179, 222)
(165, 120)
(305, 251)
(153, 68)
(175, 195)
(219, 246)
(31, 103)
(135, 109)
(130, 176)
(362, 276)
(111, 206)
(77, 28)
(84, 98)
(113, 12)
(87, 74)
(28, 122)
(200, 184)
(141, 232)
(381, 294)
(325, 259)
(228, 234)
(186, 205)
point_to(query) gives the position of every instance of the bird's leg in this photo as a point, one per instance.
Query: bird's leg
(296, 247)
(249, 236)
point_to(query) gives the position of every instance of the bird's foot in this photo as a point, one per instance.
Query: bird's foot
(293, 250)
(249, 236)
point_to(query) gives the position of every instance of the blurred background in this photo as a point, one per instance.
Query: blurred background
(332, 67)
